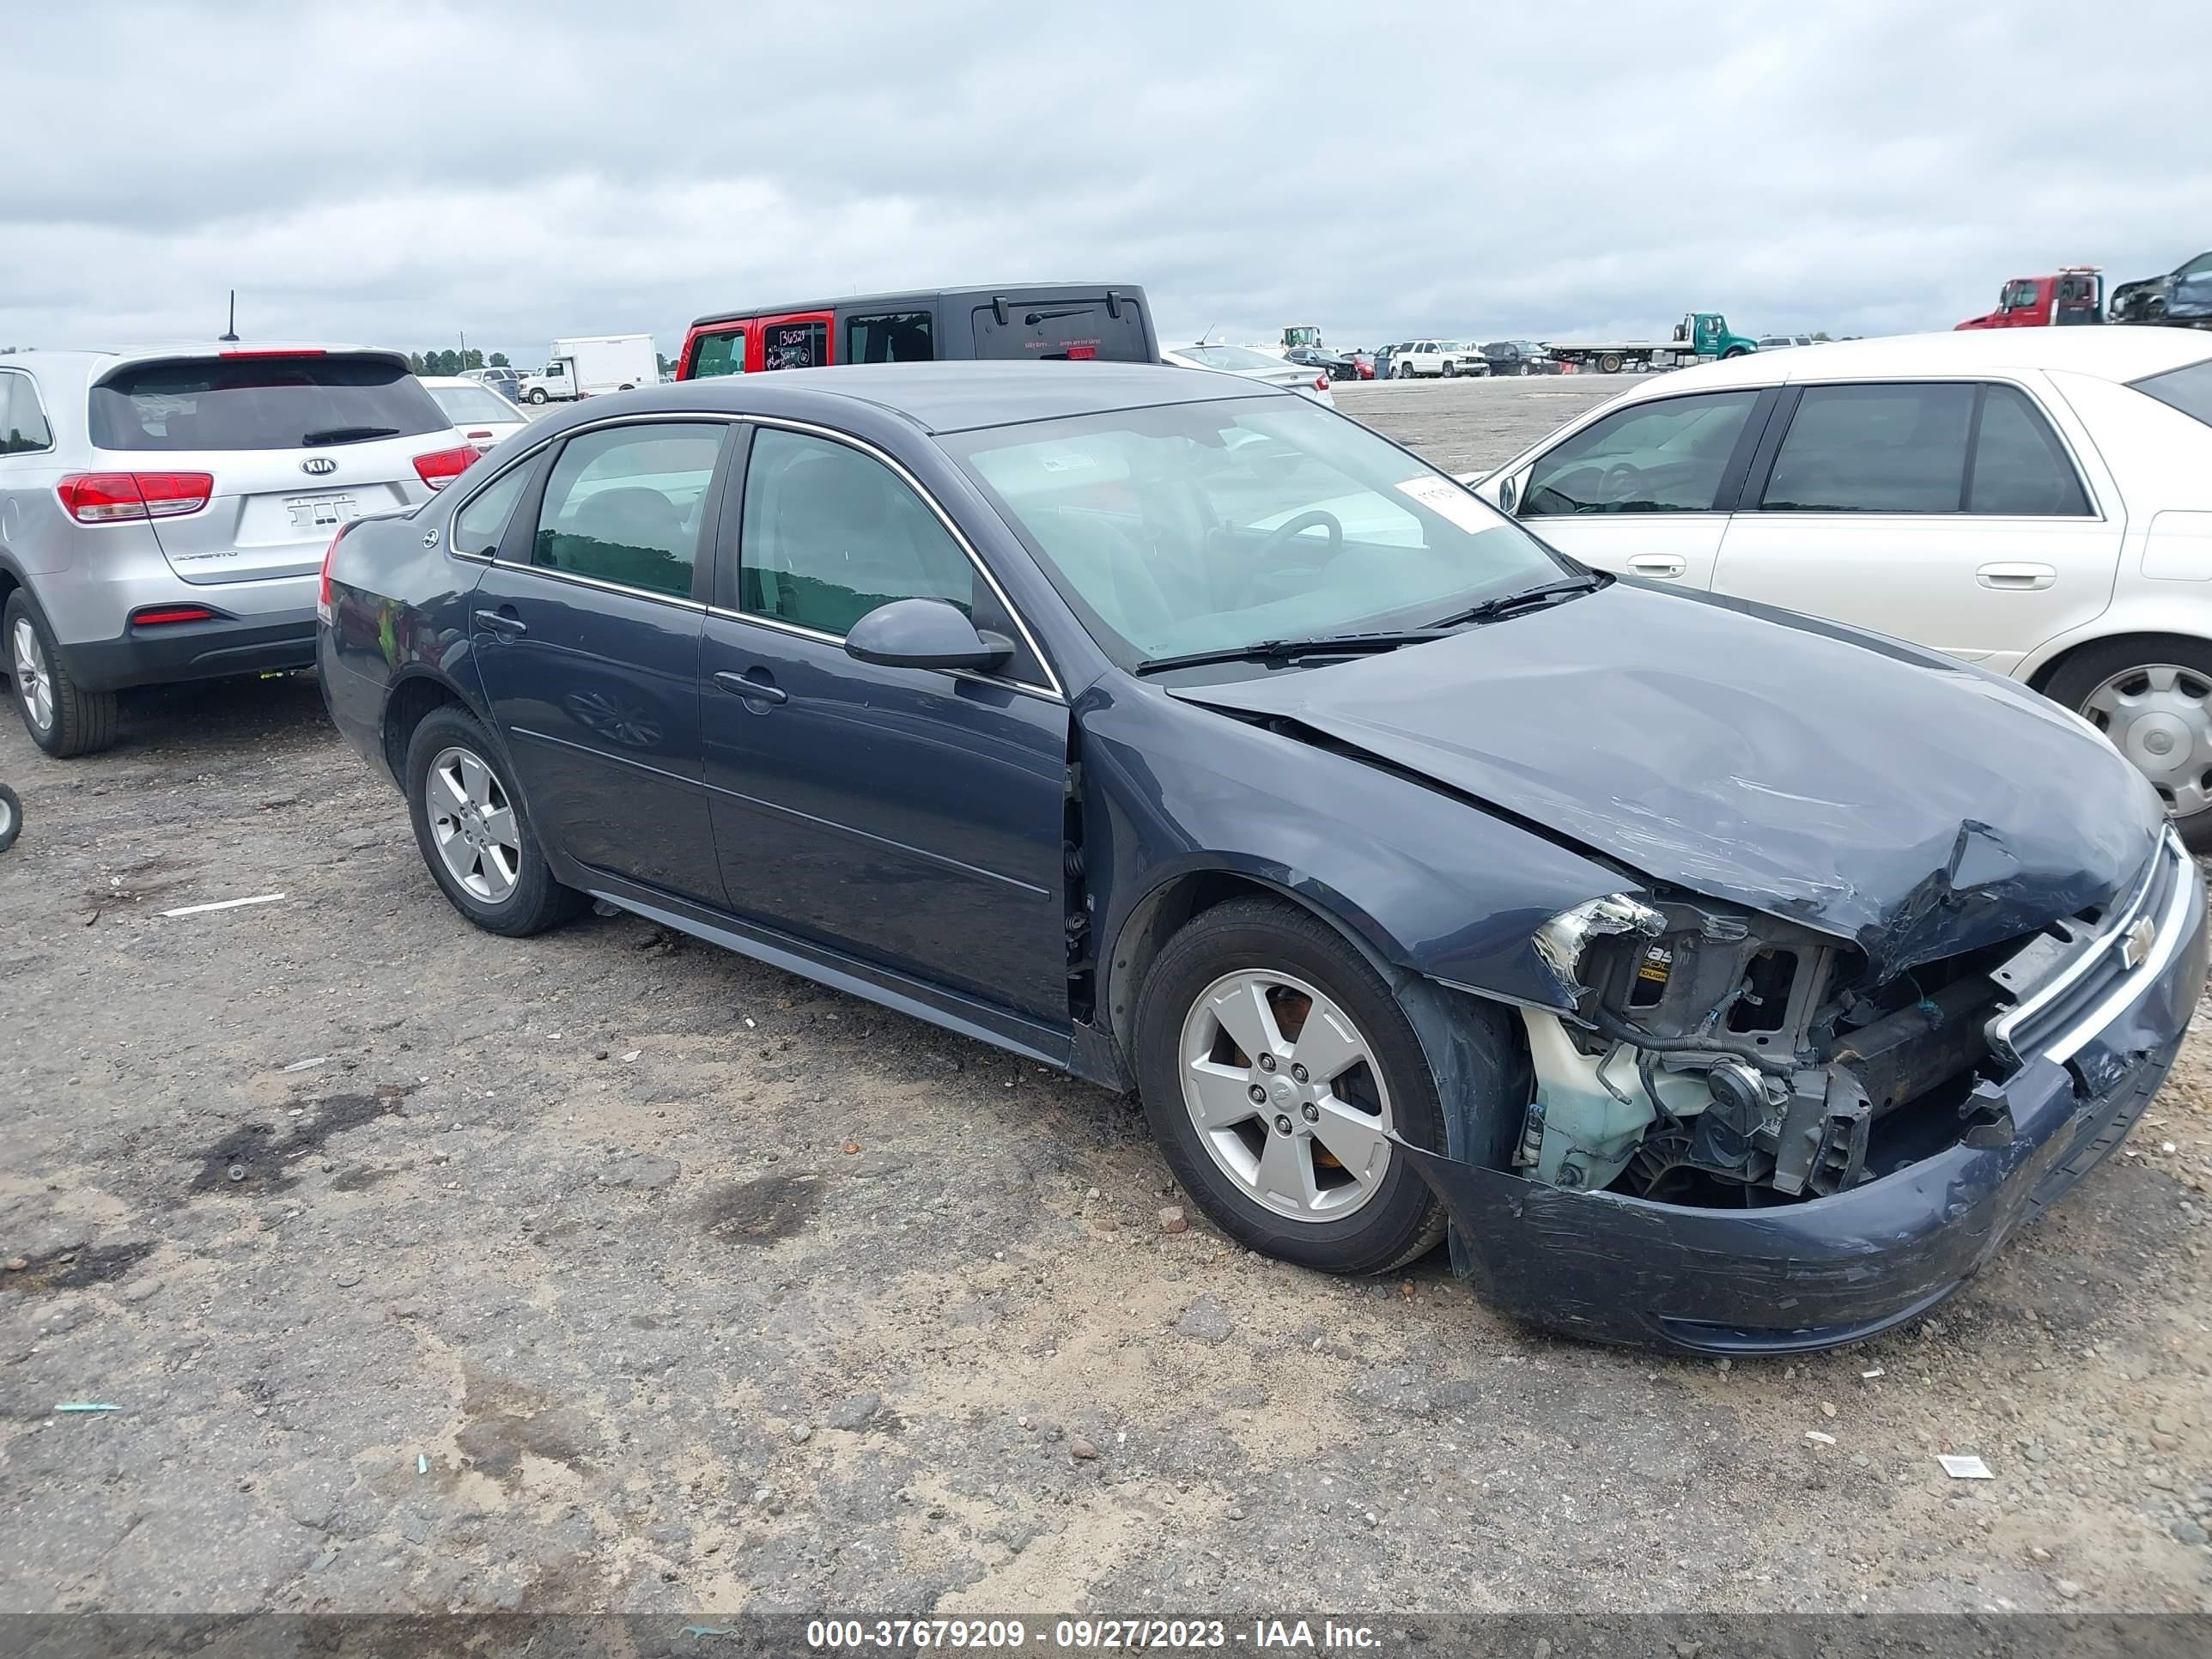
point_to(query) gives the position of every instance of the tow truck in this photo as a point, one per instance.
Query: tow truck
(2072, 293)
(1700, 336)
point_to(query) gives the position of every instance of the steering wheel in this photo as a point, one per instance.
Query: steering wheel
(1622, 481)
(1279, 539)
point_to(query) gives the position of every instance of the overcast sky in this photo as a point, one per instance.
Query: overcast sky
(401, 173)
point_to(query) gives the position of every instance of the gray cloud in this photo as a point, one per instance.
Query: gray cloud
(401, 172)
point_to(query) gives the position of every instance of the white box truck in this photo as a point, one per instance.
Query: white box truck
(585, 367)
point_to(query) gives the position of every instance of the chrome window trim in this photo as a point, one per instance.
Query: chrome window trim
(600, 583)
(1051, 688)
(39, 400)
(780, 626)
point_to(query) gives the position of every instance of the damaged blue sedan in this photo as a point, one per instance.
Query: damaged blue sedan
(1716, 978)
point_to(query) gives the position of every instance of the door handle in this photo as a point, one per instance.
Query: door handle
(2017, 578)
(1658, 564)
(503, 622)
(752, 690)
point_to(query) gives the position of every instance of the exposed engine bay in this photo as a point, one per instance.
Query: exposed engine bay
(1721, 1057)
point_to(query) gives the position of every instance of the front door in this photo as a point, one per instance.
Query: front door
(910, 817)
(1947, 513)
(586, 634)
(1645, 491)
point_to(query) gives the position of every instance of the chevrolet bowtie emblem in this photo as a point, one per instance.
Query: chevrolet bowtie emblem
(2136, 946)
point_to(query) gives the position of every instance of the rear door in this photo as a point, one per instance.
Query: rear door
(1645, 490)
(585, 633)
(1952, 514)
(2192, 289)
(296, 443)
(1109, 327)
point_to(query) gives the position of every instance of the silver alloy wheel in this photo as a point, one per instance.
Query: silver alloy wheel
(473, 822)
(34, 681)
(1286, 1095)
(2159, 716)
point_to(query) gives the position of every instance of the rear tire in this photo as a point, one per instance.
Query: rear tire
(62, 717)
(11, 817)
(2151, 696)
(515, 894)
(1610, 363)
(1366, 1212)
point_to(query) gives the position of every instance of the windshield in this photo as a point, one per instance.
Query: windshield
(467, 403)
(259, 402)
(1229, 356)
(1211, 526)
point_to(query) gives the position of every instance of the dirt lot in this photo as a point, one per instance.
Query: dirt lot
(427, 1269)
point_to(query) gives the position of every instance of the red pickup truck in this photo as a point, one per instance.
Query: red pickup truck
(2075, 294)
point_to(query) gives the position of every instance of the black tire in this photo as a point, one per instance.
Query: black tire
(537, 902)
(1403, 1220)
(538, 394)
(1403, 371)
(2093, 665)
(1733, 351)
(1610, 363)
(11, 817)
(82, 722)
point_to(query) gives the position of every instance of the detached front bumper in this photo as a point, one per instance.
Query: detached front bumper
(1798, 1277)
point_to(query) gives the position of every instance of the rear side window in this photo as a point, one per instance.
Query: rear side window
(1062, 330)
(804, 344)
(2019, 466)
(623, 506)
(2189, 389)
(829, 534)
(896, 336)
(22, 423)
(1873, 449)
(1662, 457)
(719, 354)
(260, 402)
(478, 527)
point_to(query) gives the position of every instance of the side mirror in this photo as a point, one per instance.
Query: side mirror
(1509, 491)
(924, 633)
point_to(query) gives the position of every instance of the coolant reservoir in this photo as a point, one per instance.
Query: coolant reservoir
(1590, 1131)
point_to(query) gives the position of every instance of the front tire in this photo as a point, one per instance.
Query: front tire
(1271, 1059)
(2151, 696)
(475, 833)
(11, 817)
(62, 717)
(537, 395)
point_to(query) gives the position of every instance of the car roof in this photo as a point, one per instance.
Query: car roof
(2108, 352)
(96, 363)
(942, 396)
(907, 296)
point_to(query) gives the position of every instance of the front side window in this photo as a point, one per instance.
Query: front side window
(480, 525)
(1873, 449)
(829, 534)
(2019, 466)
(1666, 456)
(2189, 389)
(22, 423)
(898, 336)
(721, 353)
(1211, 526)
(623, 505)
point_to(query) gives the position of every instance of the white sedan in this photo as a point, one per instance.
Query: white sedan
(2035, 500)
(1253, 364)
(480, 414)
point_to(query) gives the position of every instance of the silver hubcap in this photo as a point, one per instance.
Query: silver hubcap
(473, 822)
(1286, 1095)
(34, 683)
(2158, 716)
(7, 817)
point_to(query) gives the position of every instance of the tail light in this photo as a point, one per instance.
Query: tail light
(441, 466)
(323, 593)
(110, 497)
(1320, 383)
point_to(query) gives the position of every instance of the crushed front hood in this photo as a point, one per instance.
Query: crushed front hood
(1862, 786)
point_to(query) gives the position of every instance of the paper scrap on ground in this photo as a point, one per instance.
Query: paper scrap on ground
(1825, 1439)
(1963, 1469)
(85, 1405)
(226, 904)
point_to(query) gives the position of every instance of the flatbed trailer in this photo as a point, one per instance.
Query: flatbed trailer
(1702, 337)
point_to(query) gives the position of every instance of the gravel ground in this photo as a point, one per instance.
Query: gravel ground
(429, 1270)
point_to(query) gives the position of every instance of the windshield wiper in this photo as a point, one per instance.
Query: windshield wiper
(1323, 645)
(348, 435)
(1527, 599)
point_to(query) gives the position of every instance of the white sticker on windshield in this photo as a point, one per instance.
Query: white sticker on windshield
(1066, 460)
(1443, 497)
